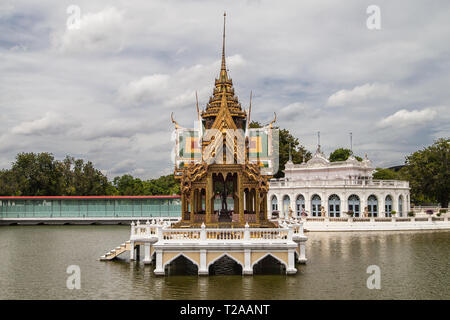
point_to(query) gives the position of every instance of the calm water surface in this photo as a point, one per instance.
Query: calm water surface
(34, 259)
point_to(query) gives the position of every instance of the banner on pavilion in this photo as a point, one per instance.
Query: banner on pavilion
(263, 149)
(188, 147)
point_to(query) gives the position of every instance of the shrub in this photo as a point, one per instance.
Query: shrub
(442, 210)
(393, 212)
(411, 214)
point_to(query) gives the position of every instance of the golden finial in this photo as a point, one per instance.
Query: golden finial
(176, 123)
(223, 69)
(274, 119)
(249, 111)
(198, 111)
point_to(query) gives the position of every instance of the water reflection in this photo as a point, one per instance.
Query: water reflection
(34, 259)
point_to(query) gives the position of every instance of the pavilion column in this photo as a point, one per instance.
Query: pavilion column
(247, 201)
(241, 199)
(265, 211)
(183, 207)
(257, 205)
(192, 205)
(199, 200)
(208, 200)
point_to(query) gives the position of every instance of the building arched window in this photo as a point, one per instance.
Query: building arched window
(274, 203)
(315, 205)
(334, 206)
(372, 206)
(354, 205)
(286, 205)
(300, 204)
(388, 206)
(400, 206)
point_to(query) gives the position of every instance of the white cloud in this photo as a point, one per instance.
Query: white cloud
(292, 110)
(129, 66)
(358, 94)
(151, 88)
(404, 118)
(51, 123)
(101, 31)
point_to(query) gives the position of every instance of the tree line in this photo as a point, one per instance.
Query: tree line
(40, 174)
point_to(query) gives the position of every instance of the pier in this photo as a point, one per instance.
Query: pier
(204, 246)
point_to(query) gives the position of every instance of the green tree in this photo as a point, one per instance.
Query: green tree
(82, 179)
(39, 174)
(286, 139)
(164, 185)
(429, 174)
(8, 184)
(342, 154)
(385, 174)
(36, 174)
(126, 185)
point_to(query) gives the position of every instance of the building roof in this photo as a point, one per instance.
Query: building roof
(86, 197)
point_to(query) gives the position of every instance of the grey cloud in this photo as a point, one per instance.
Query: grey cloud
(100, 81)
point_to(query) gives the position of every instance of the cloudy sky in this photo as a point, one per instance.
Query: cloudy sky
(104, 91)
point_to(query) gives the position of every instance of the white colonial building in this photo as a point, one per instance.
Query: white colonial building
(323, 188)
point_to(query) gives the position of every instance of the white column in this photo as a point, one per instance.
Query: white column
(291, 262)
(344, 205)
(395, 203)
(381, 203)
(324, 203)
(302, 257)
(132, 250)
(293, 204)
(246, 232)
(203, 270)
(405, 205)
(247, 262)
(280, 205)
(159, 271)
(362, 203)
(307, 203)
(147, 256)
(290, 232)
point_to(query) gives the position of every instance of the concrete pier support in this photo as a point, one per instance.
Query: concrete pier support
(132, 257)
(248, 270)
(291, 262)
(147, 256)
(203, 270)
(159, 271)
(302, 256)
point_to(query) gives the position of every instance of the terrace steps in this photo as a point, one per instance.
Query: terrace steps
(114, 253)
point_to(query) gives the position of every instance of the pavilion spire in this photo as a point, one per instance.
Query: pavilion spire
(223, 68)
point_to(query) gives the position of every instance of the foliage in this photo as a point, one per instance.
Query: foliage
(342, 154)
(428, 173)
(386, 174)
(297, 151)
(39, 174)
(393, 212)
(411, 214)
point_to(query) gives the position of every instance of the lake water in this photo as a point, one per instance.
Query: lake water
(34, 259)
